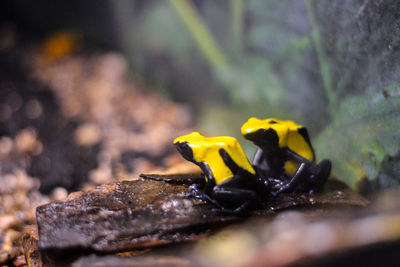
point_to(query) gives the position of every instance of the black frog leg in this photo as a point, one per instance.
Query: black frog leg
(205, 195)
(294, 181)
(209, 187)
(247, 198)
(258, 157)
(196, 193)
(187, 153)
(316, 176)
(275, 180)
(240, 188)
(298, 175)
(259, 161)
(320, 173)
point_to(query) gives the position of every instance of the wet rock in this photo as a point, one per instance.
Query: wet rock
(186, 179)
(334, 194)
(141, 213)
(124, 216)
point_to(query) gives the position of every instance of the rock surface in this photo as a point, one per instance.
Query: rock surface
(144, 213)
(124, 216)
(328, 231)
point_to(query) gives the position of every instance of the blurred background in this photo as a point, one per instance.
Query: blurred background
(329, 65)
(96, 91)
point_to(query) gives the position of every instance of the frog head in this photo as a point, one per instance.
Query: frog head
(268, 134)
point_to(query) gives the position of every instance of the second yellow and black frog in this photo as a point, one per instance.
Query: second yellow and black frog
(232, 183)
(285, 155)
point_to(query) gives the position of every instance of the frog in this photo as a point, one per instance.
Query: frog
(231, 183)
(285, 155)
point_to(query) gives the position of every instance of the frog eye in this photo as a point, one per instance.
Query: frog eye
(272, 122)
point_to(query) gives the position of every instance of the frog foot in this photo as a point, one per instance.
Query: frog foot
(196, 193)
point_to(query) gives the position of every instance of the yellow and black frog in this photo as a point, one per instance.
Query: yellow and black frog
(231, 182)
(285, 155)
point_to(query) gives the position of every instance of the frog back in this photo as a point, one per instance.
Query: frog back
(207, 150)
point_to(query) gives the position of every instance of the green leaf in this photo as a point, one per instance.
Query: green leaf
(363, 133)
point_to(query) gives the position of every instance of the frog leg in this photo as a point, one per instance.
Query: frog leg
(228, 193)
(205, 195)
(196, 193)
(275, 184)
(247, 198)
(319, 173)
(294, 181)
(315, 177)
(261, 163)
(258, 159)
(187, 153)
(298, 176)
(241, 188)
